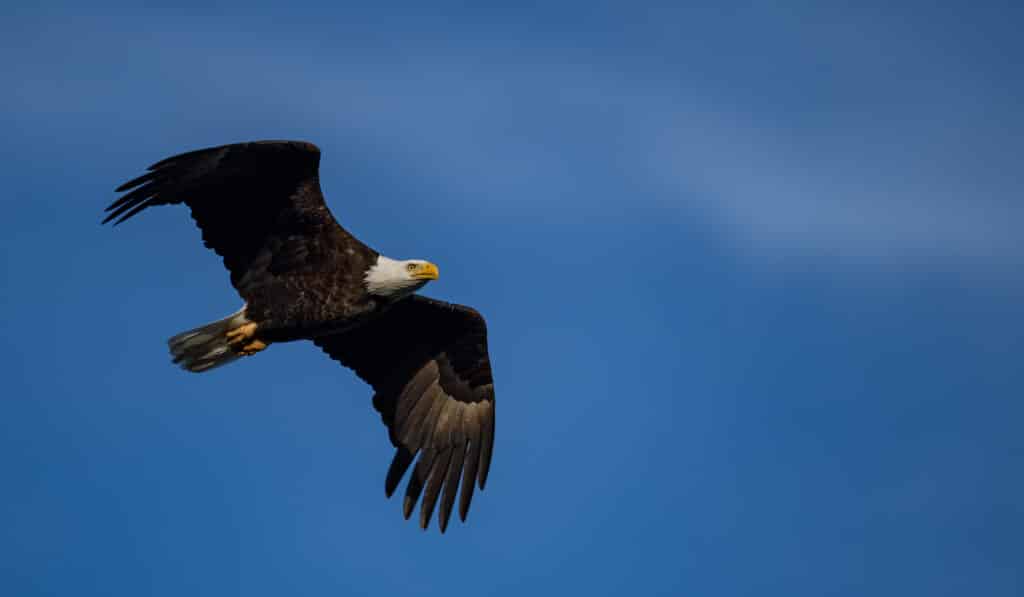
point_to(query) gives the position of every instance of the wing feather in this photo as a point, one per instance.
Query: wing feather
(451, 484)
(428, 364)
(438, 473)
(419, 477)
(486, 440)
(399, 464)
(252, 201)
(472, 461)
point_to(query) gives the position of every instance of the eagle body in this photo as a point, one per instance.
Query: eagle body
(304, 277)
(297, 306)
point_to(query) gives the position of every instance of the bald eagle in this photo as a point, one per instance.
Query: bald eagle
(304, 277)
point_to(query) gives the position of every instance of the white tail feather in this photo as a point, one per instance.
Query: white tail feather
(206, 347)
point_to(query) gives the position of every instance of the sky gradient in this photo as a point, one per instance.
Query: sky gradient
(752, 278)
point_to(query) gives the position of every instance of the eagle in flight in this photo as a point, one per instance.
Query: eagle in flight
(304, 277)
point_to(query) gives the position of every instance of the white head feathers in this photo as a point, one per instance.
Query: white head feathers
(395, 279)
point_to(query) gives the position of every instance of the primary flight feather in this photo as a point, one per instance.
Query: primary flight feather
(304, 277)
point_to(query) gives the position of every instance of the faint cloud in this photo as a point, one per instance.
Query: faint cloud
(853, 204)
(514, 130)
(529, 132)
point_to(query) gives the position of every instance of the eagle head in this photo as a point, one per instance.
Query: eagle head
(393, 278)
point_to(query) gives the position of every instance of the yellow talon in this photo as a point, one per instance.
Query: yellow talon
(241, 333)
(252, 348)
(243, 340)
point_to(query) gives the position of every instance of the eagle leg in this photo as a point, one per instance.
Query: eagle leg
(252, 348)
(243, 341)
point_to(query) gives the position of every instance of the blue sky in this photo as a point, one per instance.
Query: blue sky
(752, 277)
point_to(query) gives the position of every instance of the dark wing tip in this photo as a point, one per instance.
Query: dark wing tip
(148, 176)
(451, 483)
(403, 458)
(486, 440)
(438, 473)
(419, 477)
(305, 146)
(128, 206)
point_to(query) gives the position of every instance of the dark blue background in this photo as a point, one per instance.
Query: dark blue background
(752, 275)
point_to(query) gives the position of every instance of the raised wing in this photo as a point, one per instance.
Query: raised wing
(258, 205)
(427, 362)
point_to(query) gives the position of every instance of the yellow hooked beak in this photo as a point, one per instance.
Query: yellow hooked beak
(425, 271)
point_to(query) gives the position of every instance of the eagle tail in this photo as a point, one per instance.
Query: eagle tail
(207, 347)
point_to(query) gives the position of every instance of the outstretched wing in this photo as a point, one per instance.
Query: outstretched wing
(258, 205)
(427, 362)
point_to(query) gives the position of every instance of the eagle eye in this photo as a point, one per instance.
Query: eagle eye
(411, 267)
